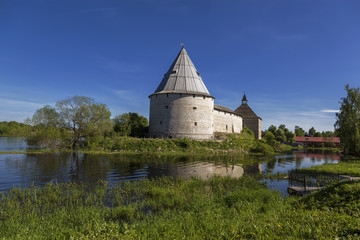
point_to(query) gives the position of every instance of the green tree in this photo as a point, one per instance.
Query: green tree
(46, 116)
(280, 135)
(328, 134)
(290, 136)
(299, 132)
(272, 129)
(318, 134)
(270, 138)
(312, 132)
(130, 124)
(14, 129)
(347, 125)
(73, 119)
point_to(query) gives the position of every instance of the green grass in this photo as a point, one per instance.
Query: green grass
(350, 167)
(167, 208)
(234, 143)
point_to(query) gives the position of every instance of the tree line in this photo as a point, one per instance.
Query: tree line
(282, 134)
(75, 122)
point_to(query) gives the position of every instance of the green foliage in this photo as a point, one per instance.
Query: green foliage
(347, 123)
(299, 132)
(262, 147)
(46, 116)
(168, 208)
(247, 131)
(14, 129)
(312, 132)
(328, 134)
(269, 137)
(233, 143)
(131, 124)
(317, 134)
(72, 120)
(280, 134)
(351, 168)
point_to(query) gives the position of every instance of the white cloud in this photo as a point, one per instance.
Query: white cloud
(330, 111)
(126, 95)
(19, 103)
(17, 110)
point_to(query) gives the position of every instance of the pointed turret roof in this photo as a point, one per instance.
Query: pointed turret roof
(244, 99)
(245, 111)
(182, 77)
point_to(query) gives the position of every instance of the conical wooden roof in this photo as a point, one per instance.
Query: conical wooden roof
(245, 111)
(182, 77)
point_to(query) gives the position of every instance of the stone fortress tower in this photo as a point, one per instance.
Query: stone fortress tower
(250, 119)
(182, 106)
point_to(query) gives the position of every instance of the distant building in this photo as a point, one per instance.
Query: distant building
(182, 106)
(250, 119)
(318, 141)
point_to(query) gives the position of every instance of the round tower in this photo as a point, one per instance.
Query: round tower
(181, 106)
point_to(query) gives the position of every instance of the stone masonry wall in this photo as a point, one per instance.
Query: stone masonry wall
(254, 124)
(178, 115)
(227, 122)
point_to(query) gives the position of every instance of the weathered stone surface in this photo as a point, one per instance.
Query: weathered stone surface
(181, 115)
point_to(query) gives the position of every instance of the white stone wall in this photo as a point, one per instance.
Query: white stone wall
(176, 115)
(227, 122)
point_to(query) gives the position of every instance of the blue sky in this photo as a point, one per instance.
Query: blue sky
(293, 58)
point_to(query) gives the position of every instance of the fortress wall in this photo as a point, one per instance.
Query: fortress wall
(227, 122)
(254, 124)
(178, 115)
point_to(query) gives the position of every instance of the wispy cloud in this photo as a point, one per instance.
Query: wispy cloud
(126, 95)
(330, 111)
(315, 114)
(19, 103)
(17, 110)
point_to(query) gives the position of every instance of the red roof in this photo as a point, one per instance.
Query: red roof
(317, 139)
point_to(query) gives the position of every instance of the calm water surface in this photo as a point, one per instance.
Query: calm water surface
(24, 170)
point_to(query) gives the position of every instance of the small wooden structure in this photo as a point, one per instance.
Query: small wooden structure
(305, 183)
(318, 141)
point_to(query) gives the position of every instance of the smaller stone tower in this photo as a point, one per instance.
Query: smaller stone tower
(250, 119)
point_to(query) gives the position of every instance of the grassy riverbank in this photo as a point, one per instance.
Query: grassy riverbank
(177, 209)
(236, 143)
(233, 143)
(345, 167)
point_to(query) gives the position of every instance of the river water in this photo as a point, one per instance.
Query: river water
(22, 170)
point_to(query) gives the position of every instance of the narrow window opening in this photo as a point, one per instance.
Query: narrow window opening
(193, 95)
(195, 123)
(226, 127)
(194, 108)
